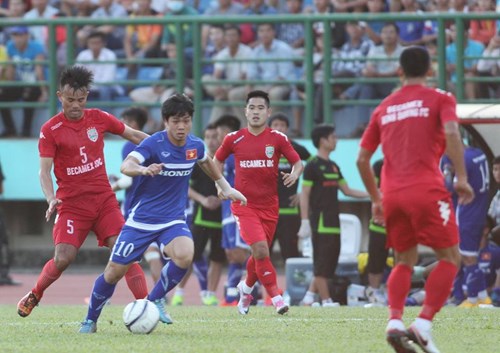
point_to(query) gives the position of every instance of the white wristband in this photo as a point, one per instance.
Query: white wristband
(223, 184)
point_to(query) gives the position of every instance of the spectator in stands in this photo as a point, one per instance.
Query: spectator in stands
(23, 51)
(471, 48)
(78, 7)
(6, 95)
(460, 6)
(215, 46)
(483, 30)
(143, 41)
(269, 48)
(339, 35)
(178, 8)
(373, 28)
(388, 68)
(254, 8)
(489, 66)
(103, 72)
(224, 8)
(115, 35)
(228, 70)
(158, 93)
(41, 9)
(411, 32)
(293, 33)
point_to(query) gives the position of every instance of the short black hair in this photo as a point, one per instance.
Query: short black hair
(415, 62)
(77, 77)
(137, 114)
(259, 94)
(210, 126)
(281, 117)
(230, 121)
(321, 131)
(178, 104)
(496, 160)
(393, 25)
(97, 34)
(229, 27)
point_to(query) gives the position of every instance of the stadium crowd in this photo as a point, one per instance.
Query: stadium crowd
(355, 44)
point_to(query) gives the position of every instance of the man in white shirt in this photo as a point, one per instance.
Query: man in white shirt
(41, 10)
(103, 72)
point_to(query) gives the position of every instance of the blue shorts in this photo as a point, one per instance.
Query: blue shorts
(470, 237)
(132, 242)
(231, 237)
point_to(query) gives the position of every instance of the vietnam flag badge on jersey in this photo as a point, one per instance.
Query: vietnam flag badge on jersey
(191, 154)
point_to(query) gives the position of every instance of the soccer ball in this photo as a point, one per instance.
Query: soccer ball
(141, 316)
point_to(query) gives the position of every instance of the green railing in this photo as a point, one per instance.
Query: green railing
(198, 61)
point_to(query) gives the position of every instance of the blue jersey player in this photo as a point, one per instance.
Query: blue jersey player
(237, 251)
(471, 220)
(164, 163)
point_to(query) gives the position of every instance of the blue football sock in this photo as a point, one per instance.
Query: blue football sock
(458, 285)
(474, 279)
(171, 275)
(234, 274)
(200, 269)
(101, 293)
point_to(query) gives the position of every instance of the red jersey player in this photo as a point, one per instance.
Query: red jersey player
(72, 142)
(257, 150)
(414, 126)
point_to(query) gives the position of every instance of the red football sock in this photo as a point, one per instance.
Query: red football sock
(49, 275)
(251, 274)
(438, 288)
(136, 281)
(398, 287)
(267, 276)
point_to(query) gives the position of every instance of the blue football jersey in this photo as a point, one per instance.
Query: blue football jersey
(127, 148)
(161, 199)
(229, 174)
(478, 175)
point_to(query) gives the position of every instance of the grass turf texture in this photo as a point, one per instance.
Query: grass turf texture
(196, 329)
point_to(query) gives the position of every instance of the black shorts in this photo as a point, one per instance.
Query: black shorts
(326, 252)
(286, 234)
(201, 235)
(377, 253)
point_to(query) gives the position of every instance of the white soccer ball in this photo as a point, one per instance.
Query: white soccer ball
(141, 316)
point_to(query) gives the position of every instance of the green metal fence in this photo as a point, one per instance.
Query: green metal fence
(198, 21)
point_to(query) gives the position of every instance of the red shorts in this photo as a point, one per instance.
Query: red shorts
(77, 217)
(420, 216)
(255, 224)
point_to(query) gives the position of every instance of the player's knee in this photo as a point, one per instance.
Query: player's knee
(183, 258)
(114, 272)
(63, 260)
(260, 250)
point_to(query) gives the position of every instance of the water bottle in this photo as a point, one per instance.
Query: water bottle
(356, 295)
(306, 246)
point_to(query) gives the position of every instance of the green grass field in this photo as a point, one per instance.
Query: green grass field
(213, 329)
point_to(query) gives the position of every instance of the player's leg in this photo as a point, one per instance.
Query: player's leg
(69, 233)
(154, 259)
(130, 247)
(377, 257)
(216, 258)
(237, 252)
(201, 235)
(107, 226)
(286, 231)
(177, 242)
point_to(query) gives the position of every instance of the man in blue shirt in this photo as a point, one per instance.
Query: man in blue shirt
(164, 163)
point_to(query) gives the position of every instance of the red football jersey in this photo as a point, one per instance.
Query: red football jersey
(409, 126)
(256, 160)
(77, 148)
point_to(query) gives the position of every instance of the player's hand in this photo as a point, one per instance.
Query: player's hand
(211, 202)
(52, 207)
(464, 191)
(289, 179)
(305, 230)
(152, 169)
(378, 213)
(233, 195)
(294, 200)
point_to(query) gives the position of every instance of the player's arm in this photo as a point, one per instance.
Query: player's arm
(133, 135)
(455, 152)
(46, 164)
(224, 190)
(346, 190)
(219, 165)
(305, 227)
(122, 183)
(291, 178)
(366, 172)
(132, 167)
(209, 202)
